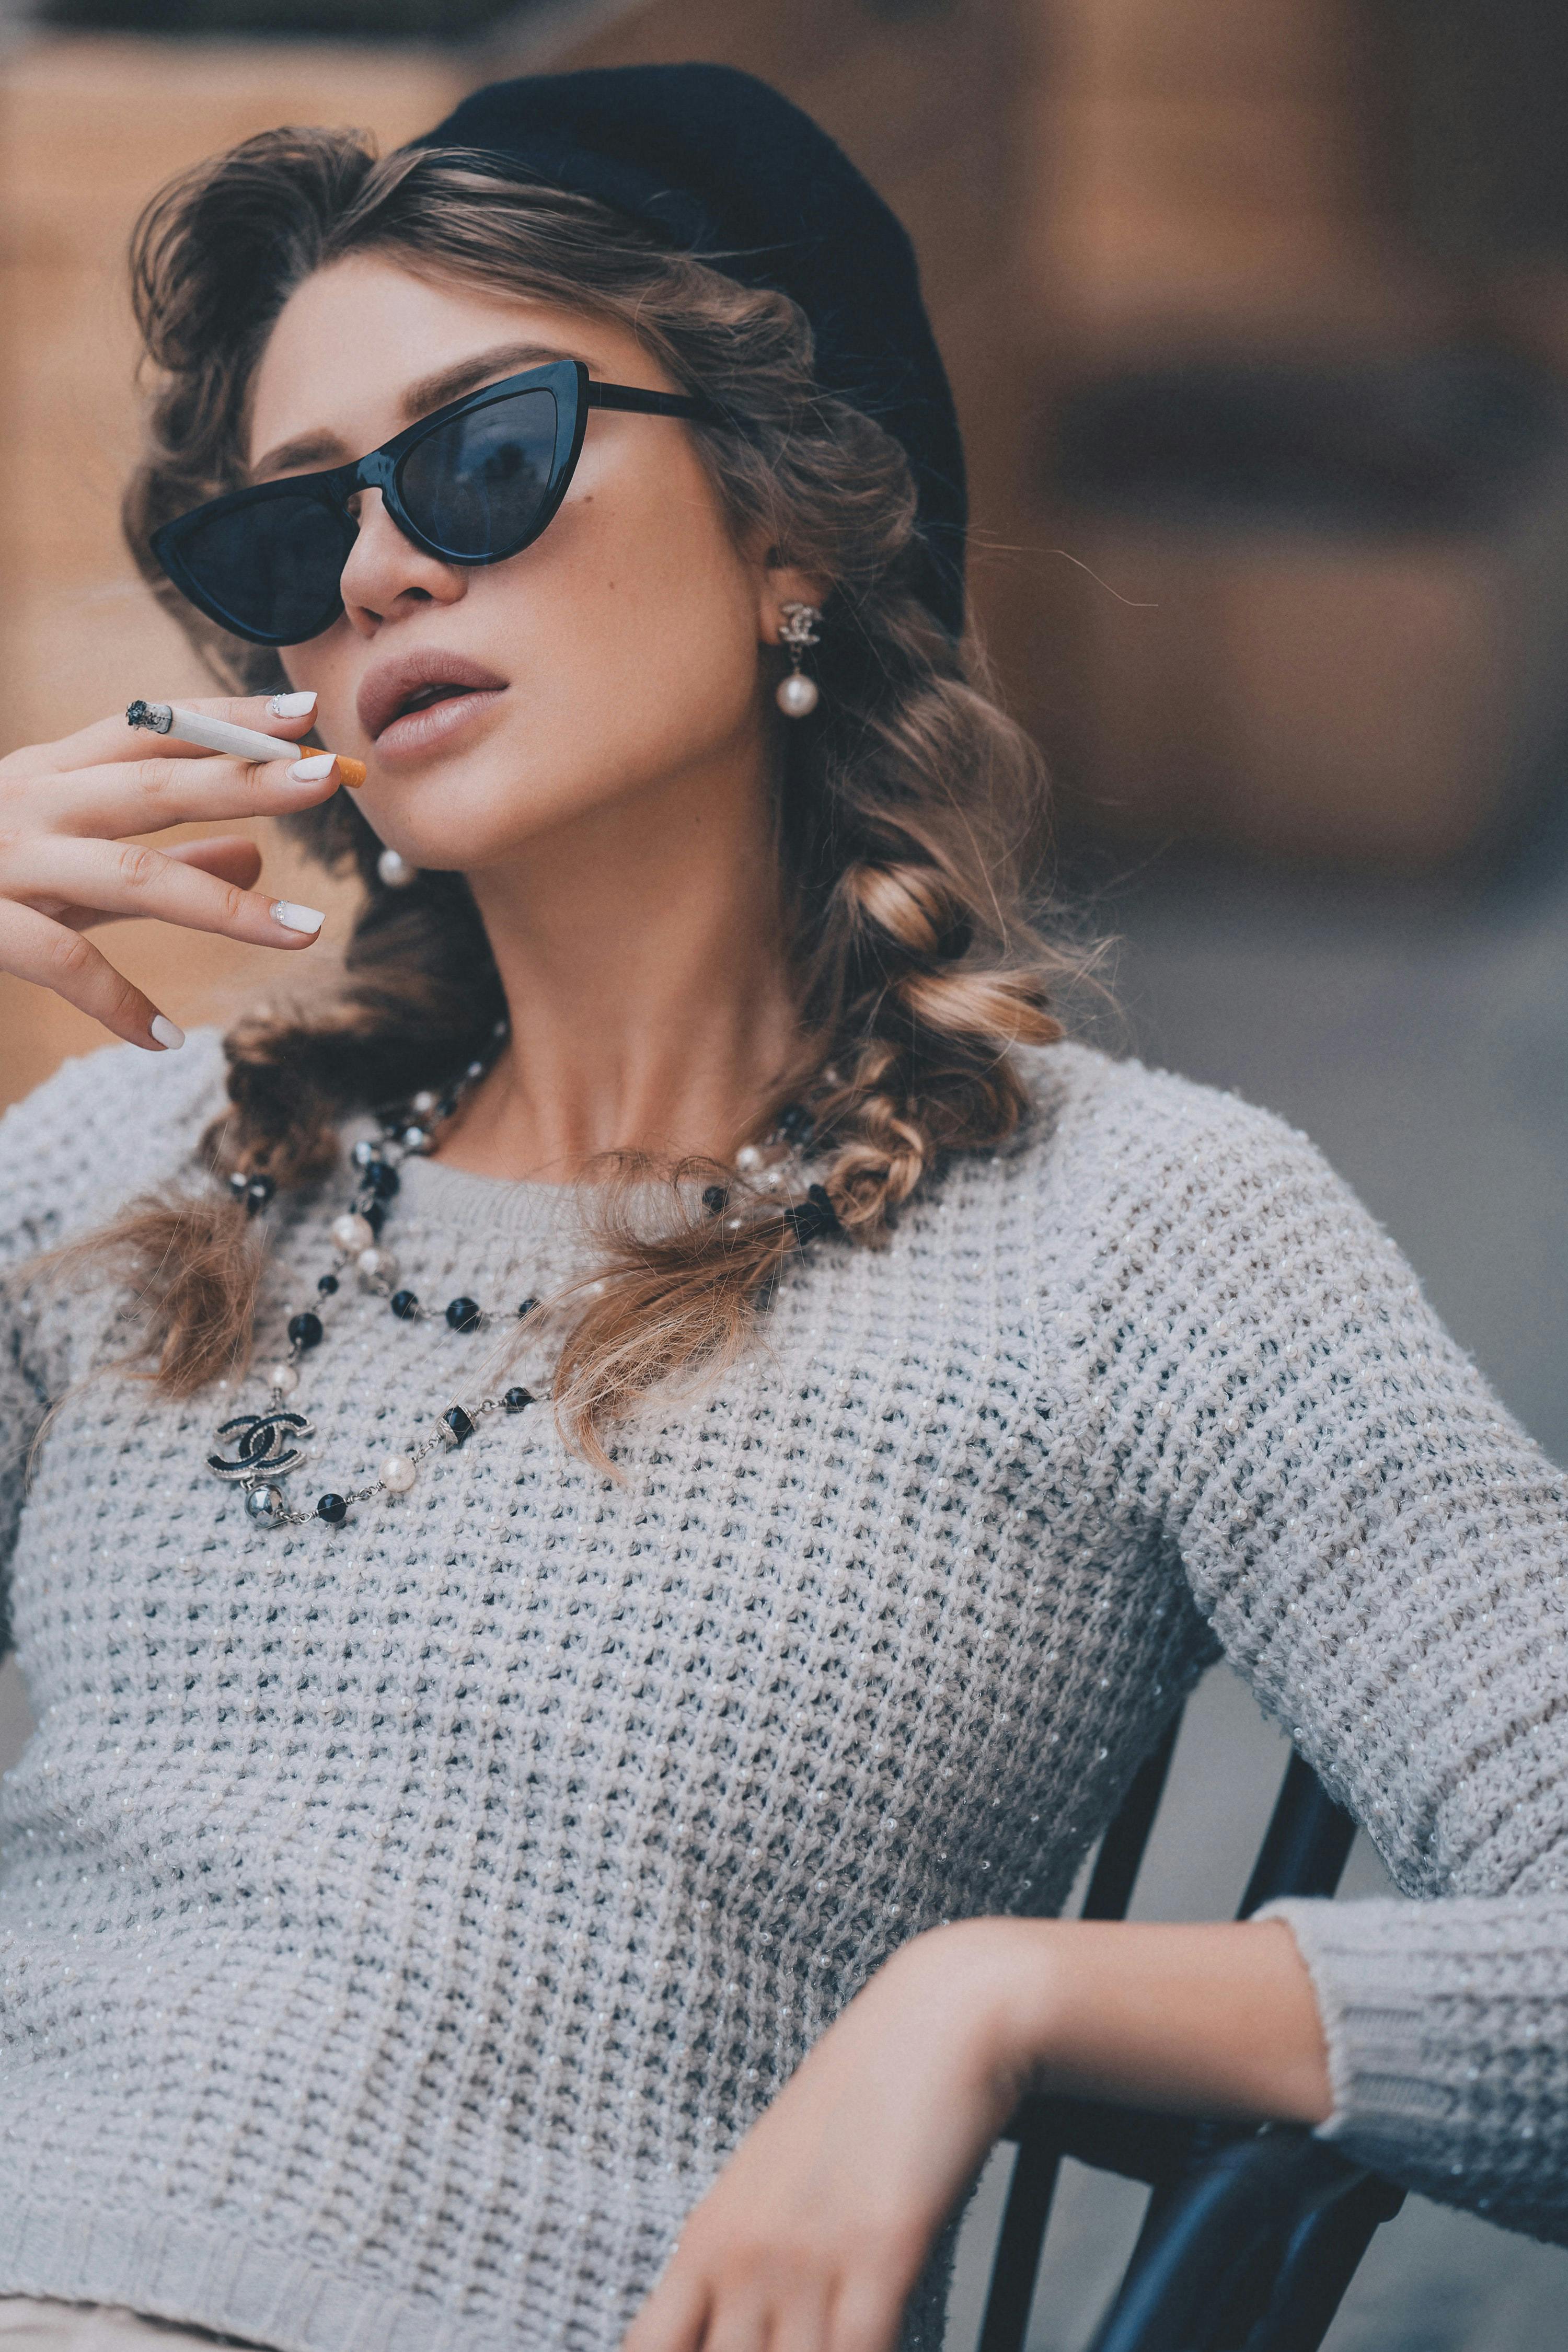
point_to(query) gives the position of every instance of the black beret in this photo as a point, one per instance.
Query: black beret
(725, 167)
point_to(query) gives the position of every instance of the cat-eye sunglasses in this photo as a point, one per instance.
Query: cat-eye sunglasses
(474, 482)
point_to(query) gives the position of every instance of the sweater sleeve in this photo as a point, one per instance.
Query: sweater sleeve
(101, 1129)
(1383, 1553)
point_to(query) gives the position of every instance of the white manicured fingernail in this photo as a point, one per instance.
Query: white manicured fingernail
(312, 771)
(170, 1037)
(296, 918)
(292, 706)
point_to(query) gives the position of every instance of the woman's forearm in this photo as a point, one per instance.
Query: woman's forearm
(1216, 2020)
(817, 2228)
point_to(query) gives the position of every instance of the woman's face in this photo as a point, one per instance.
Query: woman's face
(614, 659)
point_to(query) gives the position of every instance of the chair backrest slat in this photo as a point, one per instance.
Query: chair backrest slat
(1121, 1849)
(1306, 1845)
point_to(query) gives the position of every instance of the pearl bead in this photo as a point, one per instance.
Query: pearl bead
(395, 872)
(352, 1233)
(397, 1474)
(376, 1266)
(424, 1102)
(797, 697)
(748, 1160)
(283, 1377)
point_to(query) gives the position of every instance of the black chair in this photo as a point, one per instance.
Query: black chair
(1252, 2234)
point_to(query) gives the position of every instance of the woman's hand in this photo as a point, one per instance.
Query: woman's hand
(66, 864)
(818, 2229)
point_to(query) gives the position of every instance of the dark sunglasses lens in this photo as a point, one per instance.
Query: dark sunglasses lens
(272, 567)
(476, 487)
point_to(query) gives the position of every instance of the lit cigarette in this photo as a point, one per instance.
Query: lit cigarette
(217, 735)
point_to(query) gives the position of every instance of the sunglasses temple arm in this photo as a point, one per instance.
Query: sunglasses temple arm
(635, 402)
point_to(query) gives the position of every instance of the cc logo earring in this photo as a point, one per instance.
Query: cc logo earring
(797, 696)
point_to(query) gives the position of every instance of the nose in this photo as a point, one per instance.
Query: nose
(387, 577)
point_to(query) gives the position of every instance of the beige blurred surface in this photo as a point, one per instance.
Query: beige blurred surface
(92, 127)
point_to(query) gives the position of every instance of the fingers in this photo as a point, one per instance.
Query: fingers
(53, 872)
(112, 738)
(144, 795)
(799, 2309)
(232, 858)
(674, 2317)
(38, 950)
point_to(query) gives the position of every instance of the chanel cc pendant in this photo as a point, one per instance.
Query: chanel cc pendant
(267, 1444)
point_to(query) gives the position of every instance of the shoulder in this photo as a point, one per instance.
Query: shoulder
(1097, 1119)
(105, 1127)
(1115, 1159)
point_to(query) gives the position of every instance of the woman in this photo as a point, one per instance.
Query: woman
(467, 1837)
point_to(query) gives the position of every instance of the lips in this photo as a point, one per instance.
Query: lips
(418, 681)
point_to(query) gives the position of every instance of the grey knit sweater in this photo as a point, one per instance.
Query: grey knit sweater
(399, 1924)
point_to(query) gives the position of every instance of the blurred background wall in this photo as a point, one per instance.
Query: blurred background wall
(1258, 317)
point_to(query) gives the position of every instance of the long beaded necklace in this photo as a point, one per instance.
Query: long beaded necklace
(264, 1447)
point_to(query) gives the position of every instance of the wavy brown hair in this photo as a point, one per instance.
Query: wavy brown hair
(909, 813)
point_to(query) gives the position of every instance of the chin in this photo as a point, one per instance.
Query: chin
(461, 821)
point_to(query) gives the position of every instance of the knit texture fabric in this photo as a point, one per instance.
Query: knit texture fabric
(399, 1924)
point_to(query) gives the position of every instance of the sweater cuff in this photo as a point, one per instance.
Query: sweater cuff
(1445, 2024)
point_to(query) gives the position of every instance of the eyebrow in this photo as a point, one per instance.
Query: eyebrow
(429, 393)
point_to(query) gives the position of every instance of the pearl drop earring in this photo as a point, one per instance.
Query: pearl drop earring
(797, 696)
(394, 871)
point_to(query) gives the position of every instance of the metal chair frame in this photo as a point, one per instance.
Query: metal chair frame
(1252, 2234)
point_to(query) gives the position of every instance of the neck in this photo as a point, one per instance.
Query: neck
(643, 954)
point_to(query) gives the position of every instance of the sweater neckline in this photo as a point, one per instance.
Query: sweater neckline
(447, 1199)
(455, 1199)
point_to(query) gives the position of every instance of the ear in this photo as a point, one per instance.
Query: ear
(784, 583)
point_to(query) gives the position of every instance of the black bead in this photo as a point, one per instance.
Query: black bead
(715, 1200)
(305, 1331)
(258, 1192)
(327, 1284)
(515, 1399)
(238, 1183)
(333, 1508)
(374, 1214)
(463, 1314)
(459, 1423)
(382, 1179)
(405, 1304)
(527, 1308)
(795, 1123)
